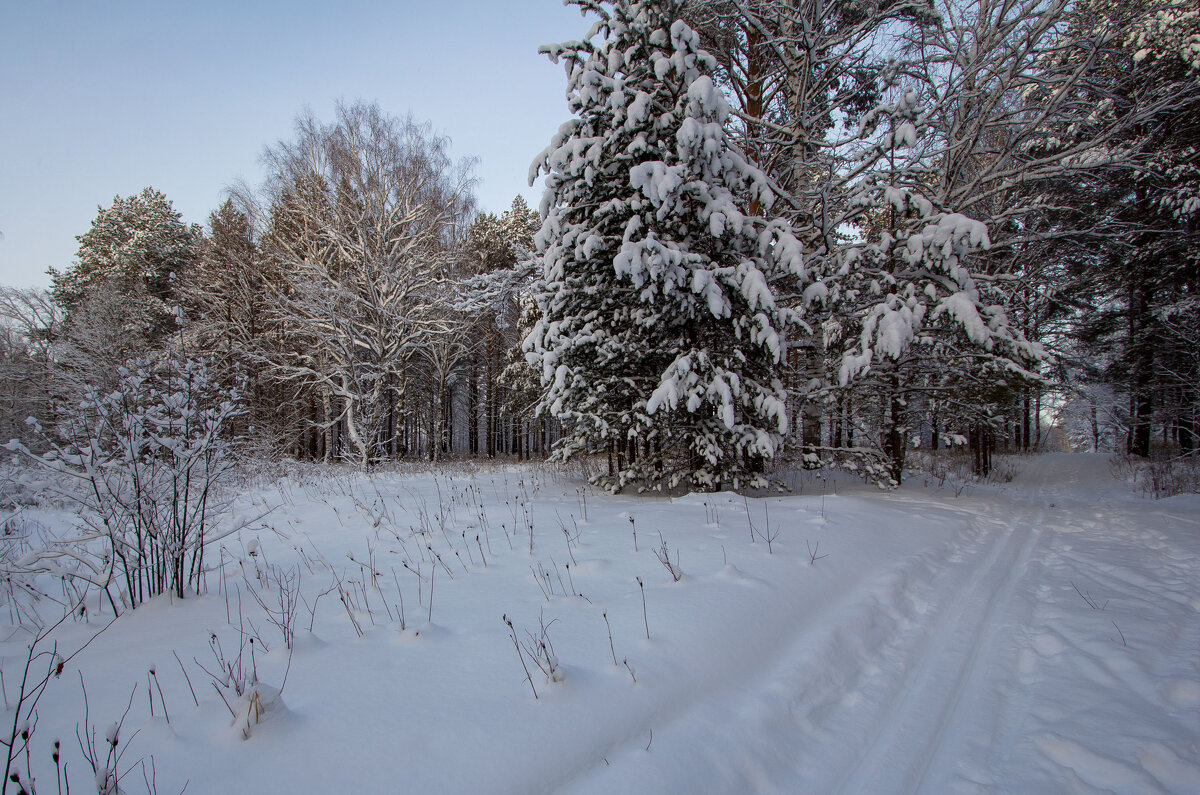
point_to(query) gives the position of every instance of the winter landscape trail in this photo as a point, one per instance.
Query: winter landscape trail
(939, 672)
(1037, 636)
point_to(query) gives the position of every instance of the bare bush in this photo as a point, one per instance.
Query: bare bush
(143, 463)
(664, 557)
(1163, 474)
(541, 650)
(281, 611)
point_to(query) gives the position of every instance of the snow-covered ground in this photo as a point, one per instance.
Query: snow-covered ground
(1040, 636)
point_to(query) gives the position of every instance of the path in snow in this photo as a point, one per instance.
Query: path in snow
(976, 666)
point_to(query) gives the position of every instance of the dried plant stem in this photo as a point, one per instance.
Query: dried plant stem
(185, 676)
(645, 618)
(517, 645)
(610, 639)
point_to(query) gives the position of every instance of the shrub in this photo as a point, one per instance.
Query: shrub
(147, 459)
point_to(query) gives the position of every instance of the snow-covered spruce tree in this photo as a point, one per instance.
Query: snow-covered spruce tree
(663, 323)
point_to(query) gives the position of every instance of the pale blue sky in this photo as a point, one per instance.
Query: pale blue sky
(99, 99)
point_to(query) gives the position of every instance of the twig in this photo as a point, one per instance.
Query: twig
(222, 695)
(185, 676)
(664, 557)
(645, 618)
(161, 700)
(400, 593)
(516, 644)
(1088, 598)
(610, 640)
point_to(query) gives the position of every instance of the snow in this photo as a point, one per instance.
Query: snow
(1036, 636)
(904, 135)
(964, 308)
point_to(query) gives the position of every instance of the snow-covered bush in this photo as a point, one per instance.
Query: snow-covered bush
(1164, 474)
(143, 463)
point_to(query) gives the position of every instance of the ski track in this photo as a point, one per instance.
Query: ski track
(916, 729)
(914, 669)
(759, 677)
(903, 683)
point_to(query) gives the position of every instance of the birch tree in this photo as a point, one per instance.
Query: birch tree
(366, 210)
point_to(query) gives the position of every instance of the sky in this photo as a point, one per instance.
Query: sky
(99, 100)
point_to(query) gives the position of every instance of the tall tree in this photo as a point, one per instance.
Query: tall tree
(364, 214)
(139, 248)
(228, 319)
(121, 297)
(1126, 222)
(29, 323)
(660, 333)
(225, 289)
(498, 275)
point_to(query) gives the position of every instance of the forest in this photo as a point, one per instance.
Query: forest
(818, 232)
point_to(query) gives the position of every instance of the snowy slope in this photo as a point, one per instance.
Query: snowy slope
(935, 644)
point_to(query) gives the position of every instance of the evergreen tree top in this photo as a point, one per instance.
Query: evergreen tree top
(135, 244)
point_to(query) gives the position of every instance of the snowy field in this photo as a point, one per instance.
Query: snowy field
(1037, 636)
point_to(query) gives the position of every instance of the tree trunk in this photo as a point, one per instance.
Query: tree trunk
(1187, 432)
(473, 407)
(934, 436)
(1026, 414)
(490, 430)
(895, 439)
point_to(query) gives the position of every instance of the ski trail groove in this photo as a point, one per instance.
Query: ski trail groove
(912, 731)
(780, 677)
(982, 650)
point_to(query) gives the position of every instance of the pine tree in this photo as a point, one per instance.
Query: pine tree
(226, 296)
(1140, 284)
(224, 292)
(138, 248)
(661, 333)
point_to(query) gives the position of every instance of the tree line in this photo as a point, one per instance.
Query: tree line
(840, 229)
(357, 303)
